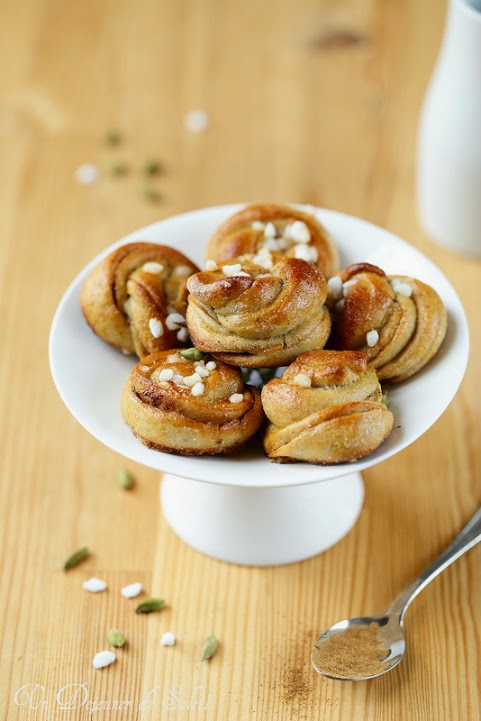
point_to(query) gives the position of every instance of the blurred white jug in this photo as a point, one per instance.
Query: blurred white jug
(449, 141)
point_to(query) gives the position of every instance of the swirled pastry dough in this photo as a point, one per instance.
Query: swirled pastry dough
(249, 315)
(399, 322)
(190, 408)
(280, 229)
(325, 409)
(136, 298)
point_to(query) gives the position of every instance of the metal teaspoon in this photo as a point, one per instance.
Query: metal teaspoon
(390, 622)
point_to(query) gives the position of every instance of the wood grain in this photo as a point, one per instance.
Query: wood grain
(309, 101)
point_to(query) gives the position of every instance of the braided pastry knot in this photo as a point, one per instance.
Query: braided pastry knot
(325, 409)
(248, 317)
(136, 298)
(189, 407)
(397, 321)
(278, 229)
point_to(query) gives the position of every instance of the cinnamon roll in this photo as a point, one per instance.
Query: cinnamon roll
(136, 298)
(325, 409)
(190, 407)
(399, 322)
(258, 312)
(280, 229)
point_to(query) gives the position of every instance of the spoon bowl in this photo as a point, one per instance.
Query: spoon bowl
(389, 632)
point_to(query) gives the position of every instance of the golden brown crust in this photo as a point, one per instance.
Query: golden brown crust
(325, 409)
(236, 236)
(120, 298)
(167, 416)
(407, 315)
(259, 319)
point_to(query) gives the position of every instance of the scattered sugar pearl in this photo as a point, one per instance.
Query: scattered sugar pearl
(335, 286)
(270, 244)
(103, 658)
(301, 379)
(203, 372)
(258, 225)
(340, 304)
(87, 174)
(196, 121)
(264, 275)
(211, 365)
(132, 590)
(264, 260)
(402, 288)
(183, 335)
(156, 327)
(168, 639)
(348, 284)
(183, 270)
(211, 265)
(299, 232)
(192, 380)
(175, 358)
(94, 585)
(232, 269)
(242, 272)
(153, 268)
(236, 398)
(306, 252)
(166, 374)
(372, 338)
(270, 230)
(174, 321)
(178, 379)
(198, 389)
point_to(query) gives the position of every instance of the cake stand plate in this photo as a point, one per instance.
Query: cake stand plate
(242, 508)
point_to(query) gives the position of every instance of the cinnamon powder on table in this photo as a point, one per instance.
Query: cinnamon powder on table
(354, 652)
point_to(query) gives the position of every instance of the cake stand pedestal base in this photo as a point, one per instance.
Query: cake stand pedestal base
(262, 526)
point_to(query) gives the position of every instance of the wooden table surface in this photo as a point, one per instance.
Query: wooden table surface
(309, 101)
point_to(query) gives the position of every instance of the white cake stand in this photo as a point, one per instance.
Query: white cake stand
(242, 508)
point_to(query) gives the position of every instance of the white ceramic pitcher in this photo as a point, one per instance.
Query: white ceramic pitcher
(449, 142)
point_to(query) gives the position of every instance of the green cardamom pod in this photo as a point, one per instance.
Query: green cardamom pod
(384, 398)
(125, 479)
(211, 644)
(150, 604)
(115, 638)
(192, 354)
(76, 557)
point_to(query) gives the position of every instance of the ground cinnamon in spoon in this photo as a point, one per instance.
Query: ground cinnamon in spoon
(357, 651)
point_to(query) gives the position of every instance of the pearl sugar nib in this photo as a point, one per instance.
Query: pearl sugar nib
(132, 590)
(103, 658)
(94, 585)
(168, 639)
(196, 121)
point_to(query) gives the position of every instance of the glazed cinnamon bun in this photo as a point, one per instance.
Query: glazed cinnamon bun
(136, 298)
(280, 229)
(258, 311)
(399, 322)
(325, 409)
(191, 407)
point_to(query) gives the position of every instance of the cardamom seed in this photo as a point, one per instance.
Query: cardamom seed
(150, 604)
(118, 169)
(152, 167)
(113, 138)
(192, 354)
(115, 638)
(76, 557)
(211, 644)
(125, 479)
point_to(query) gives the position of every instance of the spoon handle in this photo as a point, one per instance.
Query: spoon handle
(466, 539)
